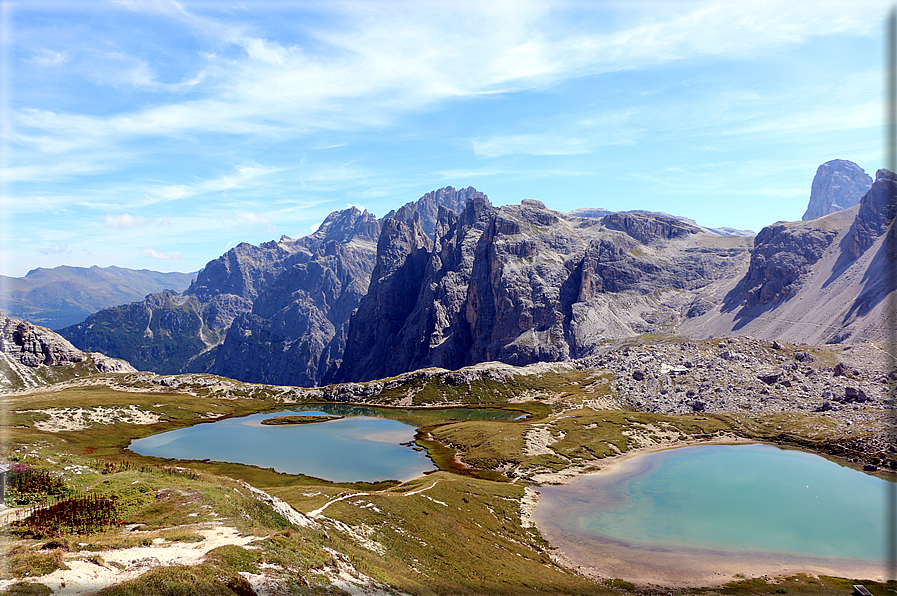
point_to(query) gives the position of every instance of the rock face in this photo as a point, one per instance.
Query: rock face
(173, 333)
(63, 296)
(402, 255)
(33, 346)
(875, 215)
(782, 254)
(296, 325)
(428, 205)
(646, 227)
(672, 219)
(522, 284)
(838, 184)
(23, 344)
(31, 356)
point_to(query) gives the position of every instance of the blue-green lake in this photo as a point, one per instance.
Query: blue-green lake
(364, 446)
(725, 498)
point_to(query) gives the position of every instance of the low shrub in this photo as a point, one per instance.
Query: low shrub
(79, 515)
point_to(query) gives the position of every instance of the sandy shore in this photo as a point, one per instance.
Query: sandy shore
(674, 567)
(604, 559)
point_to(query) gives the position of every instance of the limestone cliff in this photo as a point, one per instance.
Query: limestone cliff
(33, 346)
(876, 213)
(838, 184)
(521, 284)
(296, 326)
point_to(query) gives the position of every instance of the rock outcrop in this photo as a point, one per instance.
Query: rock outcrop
(402, 255)
(33, 346)
(31, 355)
(838, 184)
(428, 205)
(647, 228)
(782, 253)
(818, 281)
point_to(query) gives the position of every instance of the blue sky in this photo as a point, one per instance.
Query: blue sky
(157, 134)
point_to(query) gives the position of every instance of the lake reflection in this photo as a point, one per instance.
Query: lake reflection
(357, 448)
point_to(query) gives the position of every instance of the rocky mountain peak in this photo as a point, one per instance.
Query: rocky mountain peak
(348, 224)
(428, 205)
(838, 184)
(402, 256)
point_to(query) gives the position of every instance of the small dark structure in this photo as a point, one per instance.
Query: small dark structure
(4, 469)
(859, 590)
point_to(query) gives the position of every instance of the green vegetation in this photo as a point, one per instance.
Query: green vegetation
(173, 339)
(805, 585)
(79, 515)
(27, 589)
(287, 420)
(21, 563)
(26, 486)
(456, 531)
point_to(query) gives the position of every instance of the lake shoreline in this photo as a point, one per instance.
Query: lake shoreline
(678, 567)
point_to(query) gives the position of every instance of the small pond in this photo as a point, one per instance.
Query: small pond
(366, 445)
(718, 501)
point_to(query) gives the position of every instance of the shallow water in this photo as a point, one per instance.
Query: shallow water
(727, 498)
(365, 446)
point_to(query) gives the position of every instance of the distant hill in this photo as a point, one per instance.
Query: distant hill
(62, 296)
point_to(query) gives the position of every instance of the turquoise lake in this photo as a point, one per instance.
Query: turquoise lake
(365, 446)
(731, 498)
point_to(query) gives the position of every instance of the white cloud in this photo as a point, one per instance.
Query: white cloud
(126, 220)
(164, 256)
(56, 250)
(244, 175)
(254, 218)
(48, 58)
(386, 59)
(532, 144)
(46, 172)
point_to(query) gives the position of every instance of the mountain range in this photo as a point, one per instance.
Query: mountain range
(451, 280)
(64, 295)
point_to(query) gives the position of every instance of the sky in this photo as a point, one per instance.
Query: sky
(158, 134)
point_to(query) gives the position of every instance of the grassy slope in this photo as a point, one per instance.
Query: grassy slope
(445, 533)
